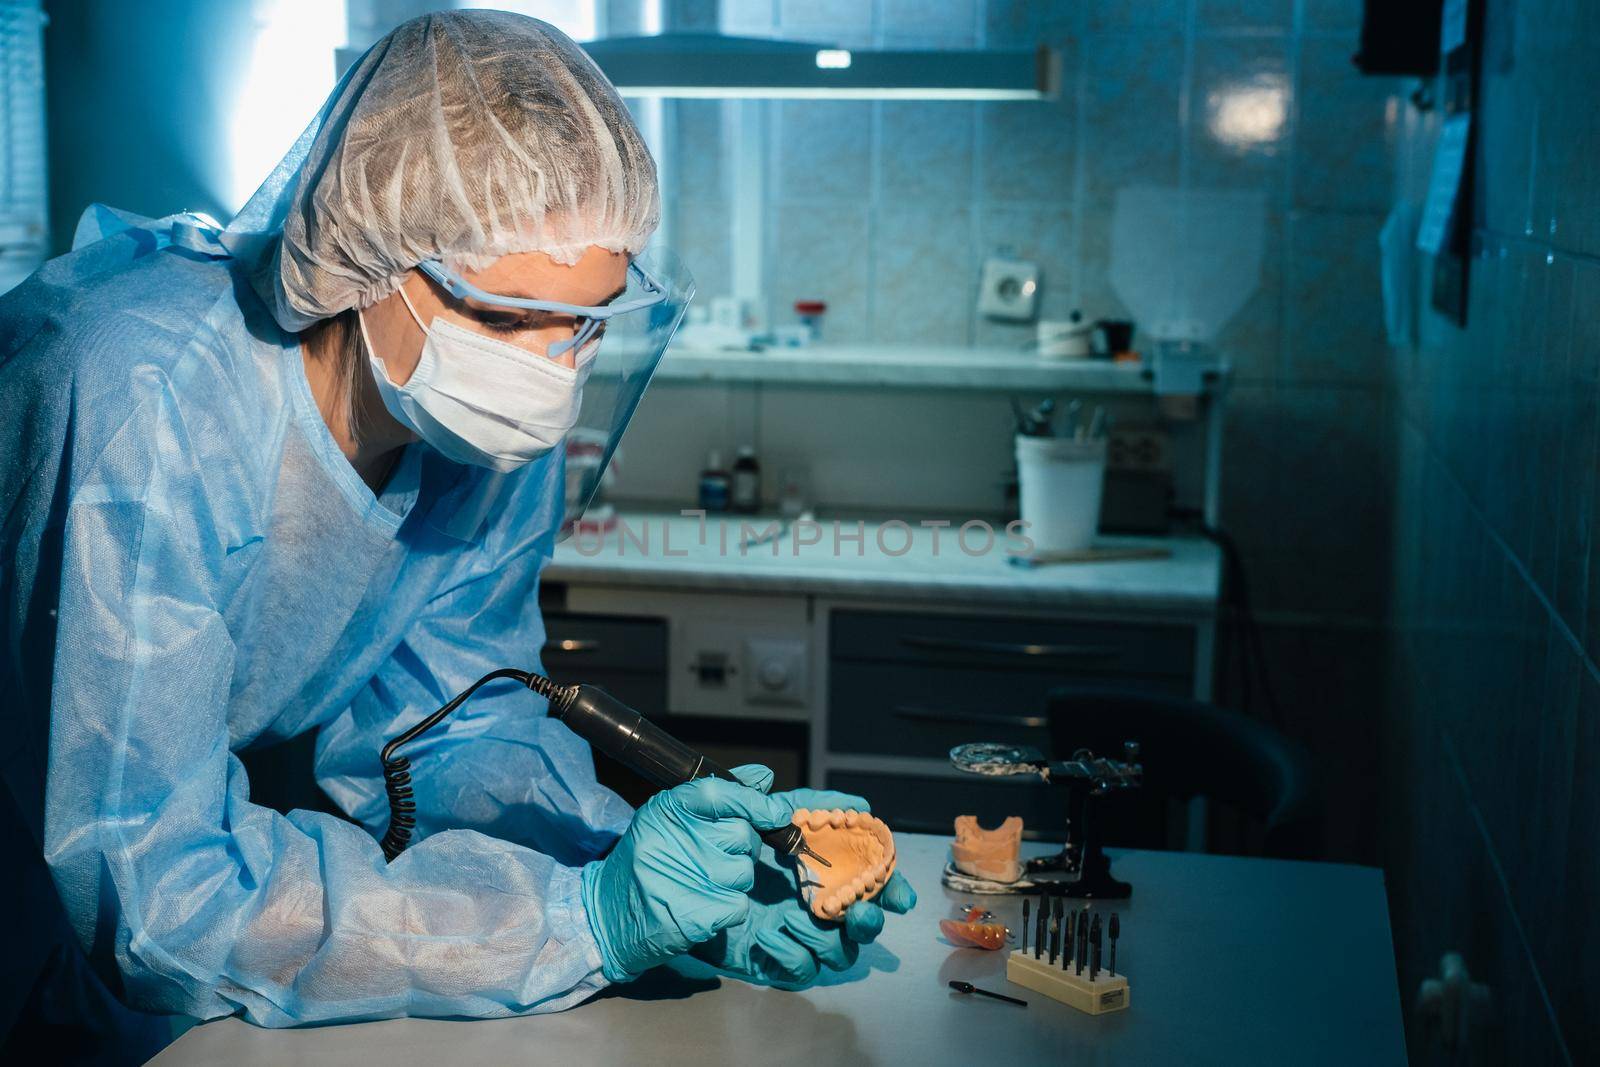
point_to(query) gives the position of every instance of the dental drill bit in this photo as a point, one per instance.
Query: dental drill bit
(1115, 930)
(1094, 948)
(1083, 939)
(1061, 921)
(1072, 940)
(1055, 934)
(1025, 933)
(1038, 929)
(805, 847)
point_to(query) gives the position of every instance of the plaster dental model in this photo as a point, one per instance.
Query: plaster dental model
(991, 854)
(861, 850)
(974, 932)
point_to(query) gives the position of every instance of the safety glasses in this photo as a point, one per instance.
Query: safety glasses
(592, 318)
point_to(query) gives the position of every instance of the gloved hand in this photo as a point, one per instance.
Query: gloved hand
(863, 920)
(780, 942)
(680, 873)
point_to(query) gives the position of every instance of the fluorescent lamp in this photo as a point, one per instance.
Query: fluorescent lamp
(712, 66)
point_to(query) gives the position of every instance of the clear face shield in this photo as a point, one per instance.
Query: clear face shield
(618, 344)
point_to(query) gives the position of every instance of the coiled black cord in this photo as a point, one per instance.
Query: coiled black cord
(397, 769)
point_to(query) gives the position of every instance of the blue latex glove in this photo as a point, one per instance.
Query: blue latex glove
(780, 942)
(680, 874)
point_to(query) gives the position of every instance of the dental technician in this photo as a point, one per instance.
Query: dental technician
(299, 474)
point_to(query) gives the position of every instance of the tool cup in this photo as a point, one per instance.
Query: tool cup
(1060, 480)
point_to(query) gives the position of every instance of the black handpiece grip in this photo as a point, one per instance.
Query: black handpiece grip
(649, 751)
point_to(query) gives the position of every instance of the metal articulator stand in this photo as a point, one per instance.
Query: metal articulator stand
(1081, 869)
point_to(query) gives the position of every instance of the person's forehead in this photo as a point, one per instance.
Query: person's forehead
(535, 276)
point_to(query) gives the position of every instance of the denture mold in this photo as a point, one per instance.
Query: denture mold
(992, 854)
(861, 850)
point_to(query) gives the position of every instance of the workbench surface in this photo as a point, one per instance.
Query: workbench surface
(1231, 962)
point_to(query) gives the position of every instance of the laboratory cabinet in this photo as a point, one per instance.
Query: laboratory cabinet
(869, 696)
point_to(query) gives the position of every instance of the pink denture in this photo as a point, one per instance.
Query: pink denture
(861, 849)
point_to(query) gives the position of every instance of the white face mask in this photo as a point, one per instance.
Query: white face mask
(482, 401)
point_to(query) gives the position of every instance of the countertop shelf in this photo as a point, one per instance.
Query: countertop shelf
(858, 558)
(909, 366)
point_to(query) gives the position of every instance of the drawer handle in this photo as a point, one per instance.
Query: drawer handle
(967, 718)
(572, 644)
(1015, 648)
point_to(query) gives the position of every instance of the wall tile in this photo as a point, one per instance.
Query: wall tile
(1240, 105)
(701, 169)
(749, 18)
(824, 150)
(701, 239)
(1333, 311)
(1131, 130)
(941, 23)
(923, 284)
(811, 260)
(1028, 150)
(1259, 15)
(1332, 15)
(1253, 339)
(1341, 131)
(845, 22)
(1167, 15)
(1026, 23)
(927, 151)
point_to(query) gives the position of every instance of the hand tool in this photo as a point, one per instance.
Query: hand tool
(1055, 932)
(1083, 939)
(599, 718)
(1094, 948)
(1114, 932)
(967, 987)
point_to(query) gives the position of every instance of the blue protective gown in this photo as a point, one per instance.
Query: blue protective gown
(189, 566)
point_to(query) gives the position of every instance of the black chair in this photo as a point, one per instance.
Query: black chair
(1190, 749)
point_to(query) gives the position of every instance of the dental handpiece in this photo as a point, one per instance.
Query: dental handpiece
(646, 749)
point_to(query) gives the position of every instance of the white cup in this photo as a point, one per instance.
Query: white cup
(1060, 480)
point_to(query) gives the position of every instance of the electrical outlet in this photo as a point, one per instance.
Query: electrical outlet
(1009, 289)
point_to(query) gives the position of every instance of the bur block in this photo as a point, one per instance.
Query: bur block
(1105, 994)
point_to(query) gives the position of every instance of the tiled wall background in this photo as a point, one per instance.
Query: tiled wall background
(886, 210)
(1495, 736)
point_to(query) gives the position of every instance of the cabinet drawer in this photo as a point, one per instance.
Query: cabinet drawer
(1037, 644)
(574, 643)
(902, 710)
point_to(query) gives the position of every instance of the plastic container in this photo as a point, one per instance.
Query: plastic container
(746, 481)
(1069, 338)
(810, 313)
(714, 484)
(1060, 481)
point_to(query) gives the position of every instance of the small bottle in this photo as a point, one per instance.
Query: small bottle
(810, 313)
(714, 483)
(746, 481)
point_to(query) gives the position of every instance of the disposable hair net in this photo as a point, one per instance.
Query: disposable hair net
(461, 136)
